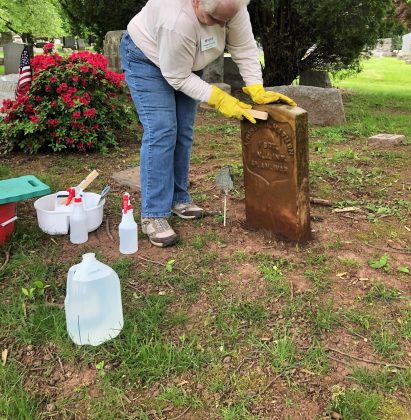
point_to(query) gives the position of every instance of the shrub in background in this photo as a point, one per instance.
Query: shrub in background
(73, 102)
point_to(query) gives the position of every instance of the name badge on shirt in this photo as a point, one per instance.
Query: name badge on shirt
(208, 43)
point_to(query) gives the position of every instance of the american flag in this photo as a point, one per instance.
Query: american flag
(25, 73)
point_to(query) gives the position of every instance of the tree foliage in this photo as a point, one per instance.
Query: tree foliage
(97, 17)
(300, 35)
(40, 17)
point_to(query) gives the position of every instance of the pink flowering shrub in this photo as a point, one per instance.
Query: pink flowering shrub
(73, 103)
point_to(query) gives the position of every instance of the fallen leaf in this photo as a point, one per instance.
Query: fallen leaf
(4, 355)
(346, 210)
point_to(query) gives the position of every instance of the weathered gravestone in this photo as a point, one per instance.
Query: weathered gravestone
(315, 78)
(81, 44)
(8, 85)
(5, 38)
(275, 158)
(12, 55)
(111, 50)
(406, 44)
(214, 72)
(129, 178)
(69, 42)
(324, 106)
(232, 74)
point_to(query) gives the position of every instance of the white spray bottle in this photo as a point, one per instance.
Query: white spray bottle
(127, 229)
(78, 223)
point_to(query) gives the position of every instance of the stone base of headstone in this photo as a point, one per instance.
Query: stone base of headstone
(111, 50)
(275, 158)
(324, 106)
(129, 178)
(385, 140)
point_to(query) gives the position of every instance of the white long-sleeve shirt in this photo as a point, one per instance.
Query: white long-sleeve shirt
(170, 35)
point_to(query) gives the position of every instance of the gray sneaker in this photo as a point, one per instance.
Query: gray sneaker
(159, 231)
(187, 211)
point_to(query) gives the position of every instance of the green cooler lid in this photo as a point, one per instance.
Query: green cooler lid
(22, 188)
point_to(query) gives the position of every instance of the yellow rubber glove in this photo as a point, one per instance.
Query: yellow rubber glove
(229, 106)
(261, 96)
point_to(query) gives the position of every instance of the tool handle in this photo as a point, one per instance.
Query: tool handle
(258, 115)
(87, 181)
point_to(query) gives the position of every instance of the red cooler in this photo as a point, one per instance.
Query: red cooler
(14, 190)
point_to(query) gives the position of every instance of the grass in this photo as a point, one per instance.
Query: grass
(230, 323)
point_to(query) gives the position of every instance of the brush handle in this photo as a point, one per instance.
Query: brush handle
(87, 181)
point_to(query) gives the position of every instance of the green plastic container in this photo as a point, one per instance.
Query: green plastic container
(22, 188)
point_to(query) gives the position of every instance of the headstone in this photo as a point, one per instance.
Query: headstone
(12, 54)
(69, 42)
(315, 78)
(214, 72)
(232, 74)
(28, 38)
(385, 140)
(5, 38)
(8, 85)
(129, 178)
(324, 106)
(81, 44)
(111, 50)
(275, 158)
(383, 48)
(406, 44)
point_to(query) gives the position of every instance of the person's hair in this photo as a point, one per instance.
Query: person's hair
(210, 5)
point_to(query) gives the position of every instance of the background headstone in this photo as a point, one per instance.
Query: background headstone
(69, 42)
(12, 54)
(383, 48)
(385, 140)
(315, 78)
(406, 44)
(275, 159)
(81, 44)
(8, 85)
(111, 50)
(324, 106)
(232, 74)
(5, 38)
(214, 72)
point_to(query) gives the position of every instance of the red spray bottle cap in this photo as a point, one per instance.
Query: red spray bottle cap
(72, 194)
(78, 200)
(126, 203)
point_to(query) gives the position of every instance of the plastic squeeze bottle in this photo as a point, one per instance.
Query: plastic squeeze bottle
(93, 308)
(78, 223)
(128, 228)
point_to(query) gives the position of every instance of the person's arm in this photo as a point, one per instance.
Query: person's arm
(242, 46)
(176, 57)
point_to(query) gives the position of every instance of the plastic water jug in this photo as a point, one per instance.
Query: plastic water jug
(127, 229)
(94, 313)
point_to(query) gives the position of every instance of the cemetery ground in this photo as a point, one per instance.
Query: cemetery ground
(230, 323)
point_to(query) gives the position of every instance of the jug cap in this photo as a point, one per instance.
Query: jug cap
(90, 256)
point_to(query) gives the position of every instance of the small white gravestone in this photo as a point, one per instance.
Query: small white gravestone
(8, 86)
(12, 54)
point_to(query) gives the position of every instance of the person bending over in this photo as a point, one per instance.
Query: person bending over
(163, 52)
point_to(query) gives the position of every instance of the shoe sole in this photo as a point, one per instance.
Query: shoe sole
(182, 216)
(169, 242)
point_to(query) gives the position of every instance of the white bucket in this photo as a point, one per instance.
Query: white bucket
(57, 222)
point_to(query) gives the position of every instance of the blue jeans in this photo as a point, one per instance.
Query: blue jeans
(168, 120)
